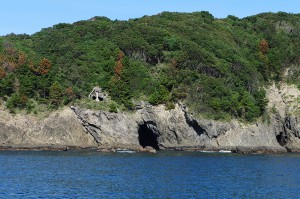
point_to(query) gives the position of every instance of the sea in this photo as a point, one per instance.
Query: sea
(166, 174)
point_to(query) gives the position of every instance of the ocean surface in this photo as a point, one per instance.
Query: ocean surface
(91, 174)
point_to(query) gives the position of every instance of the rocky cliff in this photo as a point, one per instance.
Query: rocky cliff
(159, 128)
(177, 129)
(60, 129)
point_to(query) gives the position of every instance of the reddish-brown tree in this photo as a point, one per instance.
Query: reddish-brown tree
(44, 66)
(263, 46)
(70, 94)
(21, 59)
(119, 65)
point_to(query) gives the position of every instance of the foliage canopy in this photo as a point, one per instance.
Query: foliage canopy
(217, 66)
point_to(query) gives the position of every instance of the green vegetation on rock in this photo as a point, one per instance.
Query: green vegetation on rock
(218, 67)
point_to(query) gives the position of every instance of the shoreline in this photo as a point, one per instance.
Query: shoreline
(236, 150)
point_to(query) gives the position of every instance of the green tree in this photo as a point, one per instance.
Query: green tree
(55, 94)
(248, 107)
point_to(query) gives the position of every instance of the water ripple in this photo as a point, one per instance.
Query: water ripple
(89, 174)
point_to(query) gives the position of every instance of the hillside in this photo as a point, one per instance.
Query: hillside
(218, 67)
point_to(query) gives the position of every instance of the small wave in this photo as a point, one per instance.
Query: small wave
(125, 151)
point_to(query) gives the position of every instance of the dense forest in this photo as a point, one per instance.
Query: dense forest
(218, 67)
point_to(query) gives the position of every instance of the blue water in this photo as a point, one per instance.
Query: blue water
(91, 174)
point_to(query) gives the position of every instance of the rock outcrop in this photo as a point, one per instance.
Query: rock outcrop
(283, 107)
(176, 129)
(110, 129)
(61, 129)
(155, 127)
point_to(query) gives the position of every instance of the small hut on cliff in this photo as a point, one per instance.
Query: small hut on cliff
(97, 94)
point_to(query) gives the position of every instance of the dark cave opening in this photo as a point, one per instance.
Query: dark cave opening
(147, 137)
(281, 138)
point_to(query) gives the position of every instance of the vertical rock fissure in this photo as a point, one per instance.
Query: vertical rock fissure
(283, 138)
(194, 124)
(90, 128)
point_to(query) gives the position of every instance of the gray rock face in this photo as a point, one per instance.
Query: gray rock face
(283, 108)
(60, 129)
(110, 129)
(170, 129)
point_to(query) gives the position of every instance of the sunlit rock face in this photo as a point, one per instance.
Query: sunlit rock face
(159, 128)
(59, 129)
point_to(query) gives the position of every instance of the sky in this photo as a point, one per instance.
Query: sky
(30, 16)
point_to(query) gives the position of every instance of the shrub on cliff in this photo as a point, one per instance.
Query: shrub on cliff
(16, 101)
